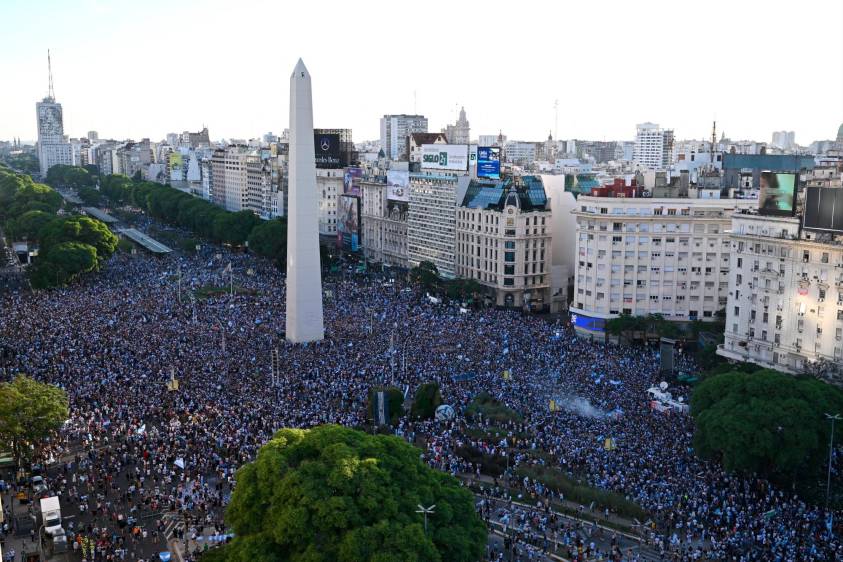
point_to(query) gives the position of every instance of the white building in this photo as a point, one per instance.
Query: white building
(329, 186)
(394, 132)
(643, 256)
(785, 295)
(520, 152)
(653, 147)
(228, 178)
(785, 140)
(242, 179)
(52, 147)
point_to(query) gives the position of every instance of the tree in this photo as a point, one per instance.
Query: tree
(425, 274)
(86, 230)
(333, 493)
(28, 225)
(63, 263)
(269, 239)
(234, 228)
(29, 412)
(764, 422)
(89, 196)
(427, 399)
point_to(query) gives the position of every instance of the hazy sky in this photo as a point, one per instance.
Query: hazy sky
(146, 68)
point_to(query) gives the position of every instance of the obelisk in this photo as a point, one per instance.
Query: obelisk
(304, 274)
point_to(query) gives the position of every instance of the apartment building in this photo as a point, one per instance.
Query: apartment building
(385, 213)
(641, 256)
(785, 294)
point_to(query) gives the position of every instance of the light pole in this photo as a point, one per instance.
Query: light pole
(426, 511)
(833, 418)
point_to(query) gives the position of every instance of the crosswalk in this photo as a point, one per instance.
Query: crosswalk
(174, 525)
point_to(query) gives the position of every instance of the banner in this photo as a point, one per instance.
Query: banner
(351, 181)
(398, 185)
(382, 409)
(445, 157)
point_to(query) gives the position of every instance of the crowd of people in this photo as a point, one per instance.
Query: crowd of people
(136, 450)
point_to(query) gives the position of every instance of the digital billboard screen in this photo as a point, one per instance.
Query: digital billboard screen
(348, 222)
(824, 209)
(351, 181)
(489, 162)
(445, 157)
(398, 185)
(588, 323)
(327, 149)
(778, 194)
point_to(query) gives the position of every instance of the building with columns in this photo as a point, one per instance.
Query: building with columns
(460, 132)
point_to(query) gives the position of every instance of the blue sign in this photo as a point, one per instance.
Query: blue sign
(164, 556)
(489, 162)
(588, 323)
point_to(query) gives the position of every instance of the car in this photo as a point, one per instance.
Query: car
(59, 544)
(38, 485)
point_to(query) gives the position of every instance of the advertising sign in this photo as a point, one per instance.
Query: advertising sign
(489, 162)
(778, 194)
(351, 181)
(398, 185)
(176, 160)
(327, 149)
(348, 222)
(445, 157)
(472, 155)
(824, 209)
(588, 323)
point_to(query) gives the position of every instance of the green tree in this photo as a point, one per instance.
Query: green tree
(29, 412)
(28, 225)
(64, 263)
(764, 422)
(89, 196)
(269, 239)
(86, 230)
(426, 400)
(234, 228)
(425, 274)
(333, 493)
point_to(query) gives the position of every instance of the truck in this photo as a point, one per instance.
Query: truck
(51, 516)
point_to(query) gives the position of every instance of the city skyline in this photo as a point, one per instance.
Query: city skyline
(129, 72)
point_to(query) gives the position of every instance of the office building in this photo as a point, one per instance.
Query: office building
(785, 294)
(229, 177)
(503, 240)
(329, 187)
(641, 255)
(415, 141)
(784, 140)
(520, 152)
(394, 132)
(431, 218)
(52, 147)
(653, 147)
(385, 218)
(460, 132)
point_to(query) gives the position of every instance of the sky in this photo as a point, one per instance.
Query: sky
(132, 69)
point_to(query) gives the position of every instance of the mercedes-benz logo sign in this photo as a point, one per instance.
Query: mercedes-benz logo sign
(326, 144)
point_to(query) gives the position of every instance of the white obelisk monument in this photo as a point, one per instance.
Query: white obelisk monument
(304, 274)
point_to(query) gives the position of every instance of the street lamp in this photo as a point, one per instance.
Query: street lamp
(426, 511)
(833, 418)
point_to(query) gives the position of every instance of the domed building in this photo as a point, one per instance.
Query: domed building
(840, 133)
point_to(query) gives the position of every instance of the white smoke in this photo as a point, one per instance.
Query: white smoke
(581, 407)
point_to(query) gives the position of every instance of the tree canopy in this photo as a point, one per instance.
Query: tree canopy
(333, 493)
(29, 411)
(764, 422)
(269, 239)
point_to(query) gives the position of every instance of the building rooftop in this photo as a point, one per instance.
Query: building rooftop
(482, 194)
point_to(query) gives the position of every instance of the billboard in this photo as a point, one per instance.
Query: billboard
(489, 162)
(398, 185)
(588, 323)
(824, 209)
(778, 194)
(351, 181)
(445, 157)
(348, 222)
(176, 160)
(472, 155)
(327, 149)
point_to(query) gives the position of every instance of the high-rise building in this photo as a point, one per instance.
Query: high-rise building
(459, 133)
(785, 294)
(385, 210)
(431, 220)
(394, 132)
(52, 147)
(785, 140)
(229, 177)
(653, 147)
(93, 136)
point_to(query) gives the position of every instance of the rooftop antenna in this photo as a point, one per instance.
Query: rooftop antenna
(50, 93)
(556, 125)
(713, 141)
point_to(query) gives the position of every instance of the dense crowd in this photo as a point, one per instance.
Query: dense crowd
(134, 451)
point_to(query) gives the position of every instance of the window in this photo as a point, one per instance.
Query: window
(508, 281)
(509, 270)
(509, 244)
(509, 256)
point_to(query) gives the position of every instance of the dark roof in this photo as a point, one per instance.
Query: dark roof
(426, 138)
(485, 194)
